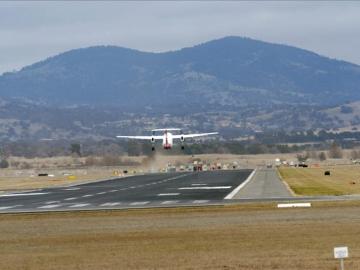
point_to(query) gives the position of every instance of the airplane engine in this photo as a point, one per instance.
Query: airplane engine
(182, 138)
(152, 143)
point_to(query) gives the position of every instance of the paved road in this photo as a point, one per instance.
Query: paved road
(190, 188)
(264, 184)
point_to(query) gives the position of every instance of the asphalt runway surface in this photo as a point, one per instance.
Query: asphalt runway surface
(143, 191)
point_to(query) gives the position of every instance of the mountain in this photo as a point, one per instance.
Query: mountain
(227, 73)
(234, 85)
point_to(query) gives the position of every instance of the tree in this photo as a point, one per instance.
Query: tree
(302, 157)
(4, 164)
(335, 151)
(75, 148)
(322, 156)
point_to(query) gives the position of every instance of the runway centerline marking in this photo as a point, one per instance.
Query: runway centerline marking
(24, 194)
(204, 188)
(87, 195)
(72, 188)
(168, 194)
(101, 193)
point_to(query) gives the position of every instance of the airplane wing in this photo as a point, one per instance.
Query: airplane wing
(194, 135)
(141, 137)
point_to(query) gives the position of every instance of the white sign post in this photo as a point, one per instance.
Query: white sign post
(341, 253)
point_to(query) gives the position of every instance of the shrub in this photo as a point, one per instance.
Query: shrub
(4, 164)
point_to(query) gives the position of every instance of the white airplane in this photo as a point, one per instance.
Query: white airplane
(167, 138)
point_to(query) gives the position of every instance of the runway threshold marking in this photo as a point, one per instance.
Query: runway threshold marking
(52, 202)
(79, 205)
(9, 207)
(110, 204)
(49, 206)
(237, 189)
(139, 203)
(169, 202)
(70, 199)
(202, 188)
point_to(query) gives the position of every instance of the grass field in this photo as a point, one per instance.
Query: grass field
(232, 237)
(11, 180)
(312, 181)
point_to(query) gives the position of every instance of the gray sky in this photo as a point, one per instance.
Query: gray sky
(33, 31)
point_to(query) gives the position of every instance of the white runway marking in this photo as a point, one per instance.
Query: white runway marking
(198, 184)
(168, 194)
(110, 204)
(79, 205)
(114, 190)
(101, 193)
(87, 195)
(169, 202)
(23, 194)
(219, 187)
(8, 207)
(52, 202)
(237, 189)
(75, 188)
(139, 203)
(70, 199)
(201, 201)
(49, 206)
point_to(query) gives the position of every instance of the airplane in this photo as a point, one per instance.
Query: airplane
(167, 137)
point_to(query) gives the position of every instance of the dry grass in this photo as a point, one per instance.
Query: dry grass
(29, 179)
(245, 237)
(312, 181)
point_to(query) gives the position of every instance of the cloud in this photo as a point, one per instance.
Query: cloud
(32, 31)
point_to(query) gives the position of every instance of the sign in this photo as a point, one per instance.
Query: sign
(341, 252)
(291, 205)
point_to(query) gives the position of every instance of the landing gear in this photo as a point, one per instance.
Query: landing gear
(182, 147)
(153, 148)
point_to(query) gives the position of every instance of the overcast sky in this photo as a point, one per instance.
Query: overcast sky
(33, 31)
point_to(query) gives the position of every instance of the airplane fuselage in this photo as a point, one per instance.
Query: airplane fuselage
(167, 140)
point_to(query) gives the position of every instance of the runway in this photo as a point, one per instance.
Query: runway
(153, 190)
